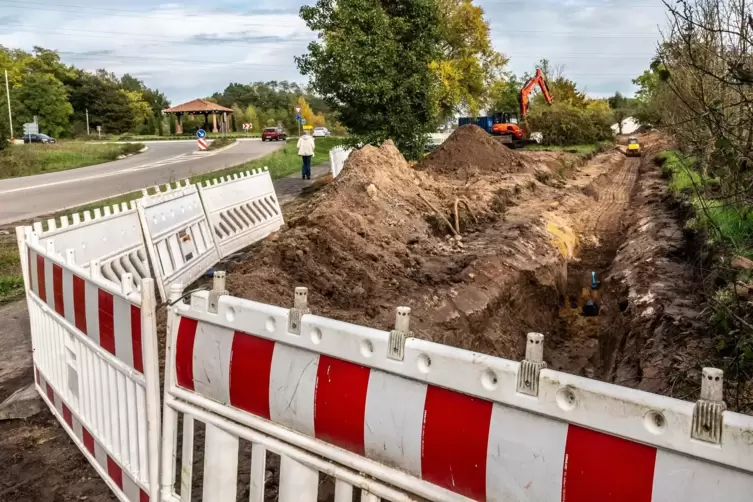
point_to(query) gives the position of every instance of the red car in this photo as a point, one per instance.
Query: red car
(273, 134)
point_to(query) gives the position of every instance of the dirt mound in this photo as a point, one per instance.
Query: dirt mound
(370, 242)
(470, 150)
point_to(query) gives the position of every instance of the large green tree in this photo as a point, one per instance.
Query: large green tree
(371, 66)
(44, 96)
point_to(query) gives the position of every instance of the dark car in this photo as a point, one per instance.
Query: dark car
(273, 134)
(38, 138)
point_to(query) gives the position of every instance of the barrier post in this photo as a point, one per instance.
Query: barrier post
(169, 415)
(298, 482)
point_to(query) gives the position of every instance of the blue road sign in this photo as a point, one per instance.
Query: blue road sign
(201, 134)
(303, 121)
(298, 117)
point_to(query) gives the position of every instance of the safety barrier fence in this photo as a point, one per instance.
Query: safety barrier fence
(406, 419)
(174, 233)
(337, 157)
(95, 362)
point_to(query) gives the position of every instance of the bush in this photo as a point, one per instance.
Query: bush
(565, 125)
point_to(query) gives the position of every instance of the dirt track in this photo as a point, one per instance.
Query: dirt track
(541, 223)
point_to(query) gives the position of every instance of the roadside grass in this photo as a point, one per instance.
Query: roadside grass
(220, 143)
(731, 224)
(580, 150)
(280, 163)
(27, 160)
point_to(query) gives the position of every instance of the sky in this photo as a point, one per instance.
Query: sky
(192, 49)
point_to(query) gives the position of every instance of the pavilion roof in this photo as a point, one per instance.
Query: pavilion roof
(198, 106)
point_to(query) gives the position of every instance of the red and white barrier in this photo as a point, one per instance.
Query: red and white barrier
(443, 422)
(95, 357)
(111, 236)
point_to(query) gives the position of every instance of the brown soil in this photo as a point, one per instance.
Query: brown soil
(539, 224)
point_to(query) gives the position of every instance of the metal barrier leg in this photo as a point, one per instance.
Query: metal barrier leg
(220, 465)
(298, 482)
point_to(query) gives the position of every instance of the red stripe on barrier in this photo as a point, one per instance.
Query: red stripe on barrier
(88, 440)
(138, 355)
(250, 372)
(184, 353)
(67, 415)
(115, 472)
(340, 403)
(454, 441)
(79, 303)
(57, 289)
(602, 467)
(50, 393)
(41, 285)
(106, 321)
(143, 496)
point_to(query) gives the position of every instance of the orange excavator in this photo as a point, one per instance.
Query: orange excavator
(506, 124)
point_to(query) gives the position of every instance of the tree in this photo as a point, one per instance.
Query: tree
(469, 64)
(141, 112)
(371, 66)
(504, 94)
(252, 117)
(306, 113)
(4, 133)
(44, 96)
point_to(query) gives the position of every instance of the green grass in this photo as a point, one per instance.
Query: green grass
(221, 143)
(731, 224)
(581, 150)
(27, 160)
(11, 281)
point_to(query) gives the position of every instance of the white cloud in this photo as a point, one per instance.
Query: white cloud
(189, 50)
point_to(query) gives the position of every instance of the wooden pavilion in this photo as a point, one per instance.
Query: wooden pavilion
(201, 107)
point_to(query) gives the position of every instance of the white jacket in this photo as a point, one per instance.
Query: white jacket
(306, 145)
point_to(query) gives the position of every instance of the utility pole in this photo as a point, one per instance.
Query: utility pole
(7, 93)
(87, 122)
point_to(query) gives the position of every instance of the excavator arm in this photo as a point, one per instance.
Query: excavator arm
(525, 91)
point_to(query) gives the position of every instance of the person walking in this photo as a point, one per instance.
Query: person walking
(306, 151)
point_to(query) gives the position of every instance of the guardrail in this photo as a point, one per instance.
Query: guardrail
(432, 421)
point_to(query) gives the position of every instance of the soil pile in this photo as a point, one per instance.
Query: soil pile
(471, 150)
(370, 242)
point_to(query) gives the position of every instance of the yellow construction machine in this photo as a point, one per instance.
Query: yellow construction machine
(633, 148)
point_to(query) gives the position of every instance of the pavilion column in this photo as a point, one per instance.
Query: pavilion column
(227, 126)
(214, 121)
(179, 125)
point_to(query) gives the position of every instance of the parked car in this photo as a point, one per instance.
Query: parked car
(38, 138)
(320, 132)
(273, 134)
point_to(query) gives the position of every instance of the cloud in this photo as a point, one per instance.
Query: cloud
(190, 50)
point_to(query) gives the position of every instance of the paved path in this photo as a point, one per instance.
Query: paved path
(289, 187)
(30, 196)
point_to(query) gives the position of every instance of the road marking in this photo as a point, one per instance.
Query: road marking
(158, 163)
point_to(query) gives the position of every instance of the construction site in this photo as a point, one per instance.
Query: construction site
(485, 244)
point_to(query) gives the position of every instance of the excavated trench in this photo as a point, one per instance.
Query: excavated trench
(539, 225)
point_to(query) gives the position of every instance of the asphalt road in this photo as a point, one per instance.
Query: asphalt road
(32, 196)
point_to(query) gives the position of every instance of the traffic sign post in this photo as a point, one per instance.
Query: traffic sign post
(31, 128)
(298, 119)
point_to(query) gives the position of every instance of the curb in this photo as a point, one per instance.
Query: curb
(212, 152)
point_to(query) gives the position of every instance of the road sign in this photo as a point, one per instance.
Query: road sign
(297, 109)
(31, 128)
(246, 127)
(303, 121)
(298, 118)
(307, 127)
(202, 143)
(201, 134)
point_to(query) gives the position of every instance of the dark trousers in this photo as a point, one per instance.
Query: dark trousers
(306, 166)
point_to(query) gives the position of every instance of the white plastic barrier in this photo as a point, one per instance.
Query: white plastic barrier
(431, 421)
(112, 237)
(180, 243)
(95, 357)
(337, 157)
(242, 209)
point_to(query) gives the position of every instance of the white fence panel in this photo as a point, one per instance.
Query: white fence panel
(180, 243)
(337, 157)
(96, 366)
(441, 423)
(112, 236)
(242, 209)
